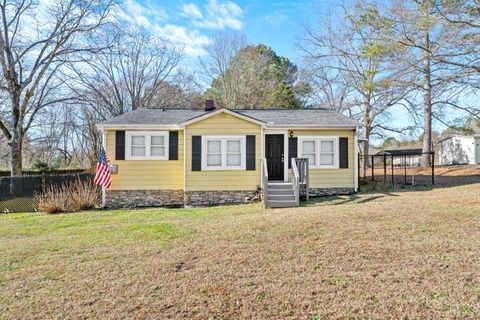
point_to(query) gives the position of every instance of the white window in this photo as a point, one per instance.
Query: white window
(322, 152)
(141, 145)
(223, 153)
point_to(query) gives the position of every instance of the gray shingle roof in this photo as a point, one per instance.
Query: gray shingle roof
(272, 117)
(300, 117)
(155, 117)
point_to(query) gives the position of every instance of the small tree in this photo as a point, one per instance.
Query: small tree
(35, 43)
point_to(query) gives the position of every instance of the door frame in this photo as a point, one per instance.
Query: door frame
(283, 132)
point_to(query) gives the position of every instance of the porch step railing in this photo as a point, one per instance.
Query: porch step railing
(300, 183)
(304, 175)
(296, 181)
(265, 182)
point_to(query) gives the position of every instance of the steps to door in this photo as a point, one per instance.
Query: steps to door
(281, 195)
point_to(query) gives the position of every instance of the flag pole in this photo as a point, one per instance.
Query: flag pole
(103, 196)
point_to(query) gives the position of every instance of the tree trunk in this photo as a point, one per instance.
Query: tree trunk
(427, 102)
(16, 144)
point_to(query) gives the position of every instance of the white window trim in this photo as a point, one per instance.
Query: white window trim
(148, 135)
(223, 165)
(317, 139)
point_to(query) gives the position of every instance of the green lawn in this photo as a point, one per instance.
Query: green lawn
(387, 255)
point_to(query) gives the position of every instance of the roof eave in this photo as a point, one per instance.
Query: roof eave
(218, 111)
(137, 126)
(296, 126)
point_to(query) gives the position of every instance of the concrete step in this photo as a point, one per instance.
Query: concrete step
(281, 197)
(282, 204)
(278, 192)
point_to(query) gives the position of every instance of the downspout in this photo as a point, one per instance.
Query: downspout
(184, 164)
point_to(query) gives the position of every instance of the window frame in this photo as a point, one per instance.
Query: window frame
(148, 144)
(224, 152)
(318, 140)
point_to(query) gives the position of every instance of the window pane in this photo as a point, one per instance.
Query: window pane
(233, 160)
(138, 140)
(213, 146)
(157, 140)
(326, 159)
(138, 151)
(233, 146)
(326, 146)
(311, 159)
(214, 160)
(309, 146)
(157, 151)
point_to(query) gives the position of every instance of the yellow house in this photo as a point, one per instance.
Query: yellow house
(177, 157)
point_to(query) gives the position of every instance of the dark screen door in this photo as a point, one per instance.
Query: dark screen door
(274, 154)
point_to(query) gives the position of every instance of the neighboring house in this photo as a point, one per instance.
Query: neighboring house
(459, 149)
(404, 157)
(177, 157)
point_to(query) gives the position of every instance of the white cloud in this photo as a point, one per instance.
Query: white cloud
(191, 41)
(191, 10)
(155, 19)
(216, 15)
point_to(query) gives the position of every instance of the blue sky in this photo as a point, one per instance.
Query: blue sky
(191, 24)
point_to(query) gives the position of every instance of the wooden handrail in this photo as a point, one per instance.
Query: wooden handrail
(296, 181)
(265, 181)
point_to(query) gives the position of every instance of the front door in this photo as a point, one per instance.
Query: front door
(274, 146)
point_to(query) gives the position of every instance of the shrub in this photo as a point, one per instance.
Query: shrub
(84, 194)
(68, 197)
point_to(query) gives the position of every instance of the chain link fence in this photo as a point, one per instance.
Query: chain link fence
(17, 193)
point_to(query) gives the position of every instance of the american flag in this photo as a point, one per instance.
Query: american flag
(103, 176)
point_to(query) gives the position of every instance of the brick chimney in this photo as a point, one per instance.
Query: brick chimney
(209, 105)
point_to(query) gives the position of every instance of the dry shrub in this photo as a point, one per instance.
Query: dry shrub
(84, 195)
(72, 197)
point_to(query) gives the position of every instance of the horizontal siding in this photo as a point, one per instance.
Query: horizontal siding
(210, 180)
(333, 178)
(146, 174)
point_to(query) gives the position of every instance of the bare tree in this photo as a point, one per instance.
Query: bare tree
(183, 91)
(128, 74)
(349, 60)
(35, 41)
(433, 57)
(220, 54)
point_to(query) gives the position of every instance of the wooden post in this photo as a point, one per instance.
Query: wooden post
(433, 168)
(405, 170)
(393, 175)
(358, 173)
(384, 168)
(373, 168)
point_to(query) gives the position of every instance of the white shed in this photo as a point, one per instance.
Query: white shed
(458, 149)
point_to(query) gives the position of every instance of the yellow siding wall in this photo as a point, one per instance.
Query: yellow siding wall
(146, 174)
(208, 180)
(333, 178)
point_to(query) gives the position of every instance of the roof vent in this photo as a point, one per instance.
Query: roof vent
(209, 105)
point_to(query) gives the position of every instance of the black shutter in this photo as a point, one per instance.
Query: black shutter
(250, 165)
(173, 145)
(343, 146)
(292, 150)
(119, 145)
(196, 153)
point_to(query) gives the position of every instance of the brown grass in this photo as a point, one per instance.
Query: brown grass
(405, 255)
(79, 195)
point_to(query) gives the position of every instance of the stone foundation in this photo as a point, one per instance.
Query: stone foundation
(143, 198)
(213, 198)
(318, 192)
